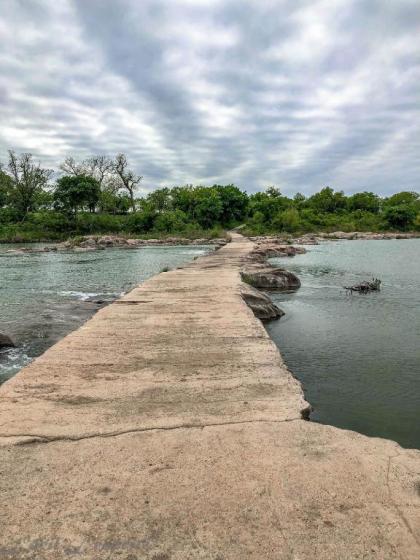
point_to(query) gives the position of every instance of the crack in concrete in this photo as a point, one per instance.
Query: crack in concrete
(394, 503)
(39, 438)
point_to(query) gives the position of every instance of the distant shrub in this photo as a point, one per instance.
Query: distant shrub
(400, 217)
(88, 223)
(141, 222)
(171, 221)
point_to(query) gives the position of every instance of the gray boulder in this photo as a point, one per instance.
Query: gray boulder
(261, 305)
(270, 278)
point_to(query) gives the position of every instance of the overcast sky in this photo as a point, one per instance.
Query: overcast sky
(298, 94)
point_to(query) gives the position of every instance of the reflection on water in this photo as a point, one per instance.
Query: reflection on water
(43, 296)
(358, 356)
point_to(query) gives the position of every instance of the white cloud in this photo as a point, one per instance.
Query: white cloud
(296, 93)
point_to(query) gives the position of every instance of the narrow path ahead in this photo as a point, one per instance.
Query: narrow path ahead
(167, 427)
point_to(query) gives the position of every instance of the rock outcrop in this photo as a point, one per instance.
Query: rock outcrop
(270, 278)
(271, 250)
(261, 305)
(95, 242)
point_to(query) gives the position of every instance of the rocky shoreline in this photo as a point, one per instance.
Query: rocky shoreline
(88, 243)
(100, 242)
(316, 238)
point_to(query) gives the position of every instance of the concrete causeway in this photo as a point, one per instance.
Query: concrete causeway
(168, 428)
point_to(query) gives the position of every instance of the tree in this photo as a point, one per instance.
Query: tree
(28, 179)
(400, 217)
(234, 203)
(273, 192)
(126, 179)
(367, 201)
(98, 167)
(171, 221)
(289, 220)
(114, 203)
(328, 201)
(160, 199)
(403, 197)
(5, 187)
(208, 206)
(269, 203)
(299, 200)
(73, 192)
(71, 167)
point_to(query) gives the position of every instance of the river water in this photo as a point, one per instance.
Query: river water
(358, 356)
(44, 296)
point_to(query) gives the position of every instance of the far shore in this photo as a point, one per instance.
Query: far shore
(86, 243)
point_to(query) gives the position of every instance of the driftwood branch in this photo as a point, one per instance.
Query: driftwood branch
(364, 287)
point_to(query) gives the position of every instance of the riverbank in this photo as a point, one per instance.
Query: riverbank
(316, 238)
(168, 427)
(83, 244)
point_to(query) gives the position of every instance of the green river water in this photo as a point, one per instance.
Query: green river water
(357, 356)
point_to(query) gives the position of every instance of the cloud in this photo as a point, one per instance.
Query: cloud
(298, 93)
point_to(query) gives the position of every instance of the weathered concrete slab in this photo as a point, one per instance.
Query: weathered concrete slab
(167, 427)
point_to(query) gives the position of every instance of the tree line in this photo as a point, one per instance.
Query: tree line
(101, 195)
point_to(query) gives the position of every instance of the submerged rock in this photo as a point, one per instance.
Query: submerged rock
(6, 341)
(261, 304)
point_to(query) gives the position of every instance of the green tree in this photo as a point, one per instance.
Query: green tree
(114, 203)
(27, 180)
(269, 203)
(160, 199)
(73, 193)
(368, 201)
(403, 197)
(328, 201)
(208, 206)
(400, 217)
(234, 203)
(288, 220)
(171, 221)
(5, 188)
(142, 221)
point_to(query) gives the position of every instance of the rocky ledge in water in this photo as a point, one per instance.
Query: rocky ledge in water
(260, 303)
(316, 238)
(259, 274)
(267, 277)
(367, 235)
(94, 242)
(274, 248)
(98, 243)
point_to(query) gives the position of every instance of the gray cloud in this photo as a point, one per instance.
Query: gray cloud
(294, 93)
